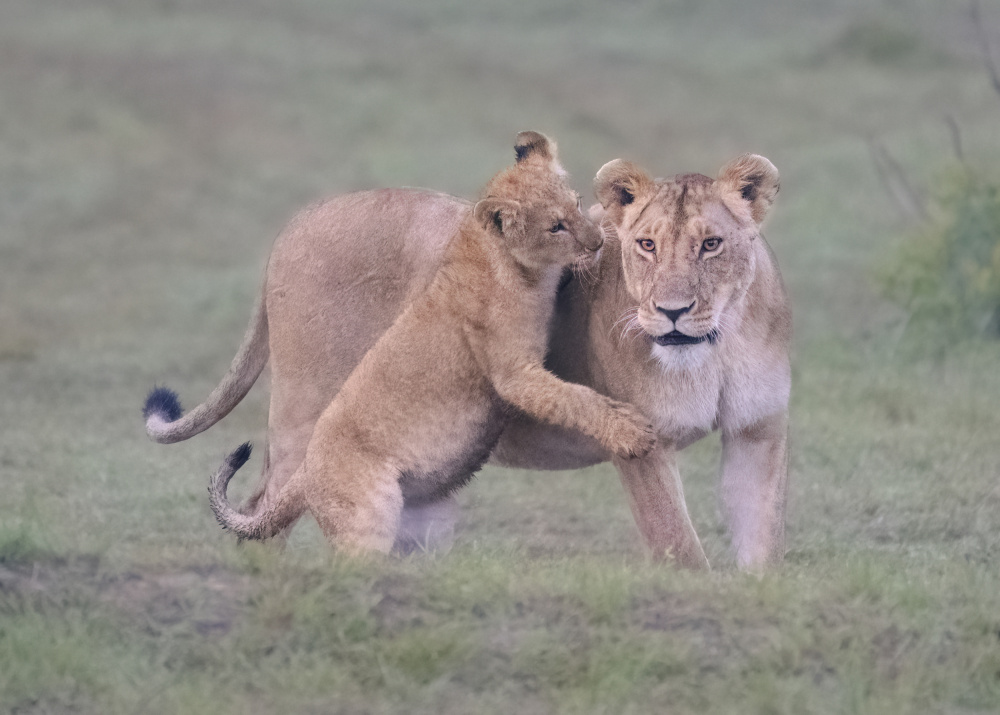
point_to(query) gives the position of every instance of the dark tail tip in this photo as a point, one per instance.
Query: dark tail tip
(164, 403)
(240, 456)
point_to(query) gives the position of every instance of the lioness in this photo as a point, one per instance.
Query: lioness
(684, 260)
(426, 405)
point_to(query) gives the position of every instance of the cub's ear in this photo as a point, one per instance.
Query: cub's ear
(500, 216)
(535, 146)
(753, 179)
(620, 183)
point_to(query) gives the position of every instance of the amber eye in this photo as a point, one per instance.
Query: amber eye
(557, 228)
(647, 244)
(711, 244)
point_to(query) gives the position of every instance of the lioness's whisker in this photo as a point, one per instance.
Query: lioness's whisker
(630, 318)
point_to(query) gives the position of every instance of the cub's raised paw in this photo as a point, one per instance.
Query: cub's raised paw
(630, 434)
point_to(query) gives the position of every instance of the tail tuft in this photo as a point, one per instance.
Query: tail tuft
(239, 456)
(163, 403)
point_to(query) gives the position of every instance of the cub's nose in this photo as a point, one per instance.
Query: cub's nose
(674, 314)
(590, 236)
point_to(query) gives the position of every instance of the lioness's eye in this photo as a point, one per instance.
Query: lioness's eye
(647, 244)
(710, 244)
(557, 228)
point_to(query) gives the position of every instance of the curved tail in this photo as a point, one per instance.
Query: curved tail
(286, 509)
(165, 421)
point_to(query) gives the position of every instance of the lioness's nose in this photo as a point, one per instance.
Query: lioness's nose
(675, 313)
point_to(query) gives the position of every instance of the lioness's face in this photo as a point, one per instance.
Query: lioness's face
(533, 210)
(686, 259)
(687, 247)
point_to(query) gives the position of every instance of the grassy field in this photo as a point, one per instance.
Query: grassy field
(150, 150)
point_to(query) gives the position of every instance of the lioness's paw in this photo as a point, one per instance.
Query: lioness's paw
(629, 434)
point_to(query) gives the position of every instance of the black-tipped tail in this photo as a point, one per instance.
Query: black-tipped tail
(163, 403)
(220, 481)
(289, 506)
(229, 518)
(239, 456)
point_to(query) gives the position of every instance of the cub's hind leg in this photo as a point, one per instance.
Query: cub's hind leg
(357, 504)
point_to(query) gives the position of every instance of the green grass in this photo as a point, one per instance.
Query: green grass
(481, 629)
(151, 150)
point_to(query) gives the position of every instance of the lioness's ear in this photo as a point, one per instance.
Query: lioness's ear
(501, 216)
(752, 179)
(618, 184)
(534, 145)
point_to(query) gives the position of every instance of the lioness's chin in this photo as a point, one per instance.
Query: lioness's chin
(682, 357)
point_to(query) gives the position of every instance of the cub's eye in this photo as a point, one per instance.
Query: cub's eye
(711, 244)
(647, 244)
(557, 228)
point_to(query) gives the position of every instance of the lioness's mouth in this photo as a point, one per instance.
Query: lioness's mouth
(676, 337)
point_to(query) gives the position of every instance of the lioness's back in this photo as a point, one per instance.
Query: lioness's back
(369, 254)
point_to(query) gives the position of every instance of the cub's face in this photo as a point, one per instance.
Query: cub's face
(533, 211)
(556, 231)
(687, 248)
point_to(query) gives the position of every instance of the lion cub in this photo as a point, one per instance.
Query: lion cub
(427, 404)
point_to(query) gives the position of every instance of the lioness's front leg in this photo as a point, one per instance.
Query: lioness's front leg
(655, 494)
(621, 428)
(754, 483)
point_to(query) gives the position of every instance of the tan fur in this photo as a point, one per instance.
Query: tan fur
(426, 405)
(344, 269)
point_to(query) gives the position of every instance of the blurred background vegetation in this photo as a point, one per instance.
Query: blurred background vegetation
(150, 150)
(946, 275)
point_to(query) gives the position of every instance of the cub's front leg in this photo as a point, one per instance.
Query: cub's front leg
(754, 485)
(621, 428)
(656, 496)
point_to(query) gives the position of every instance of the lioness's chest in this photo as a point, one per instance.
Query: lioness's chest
(683, 405)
